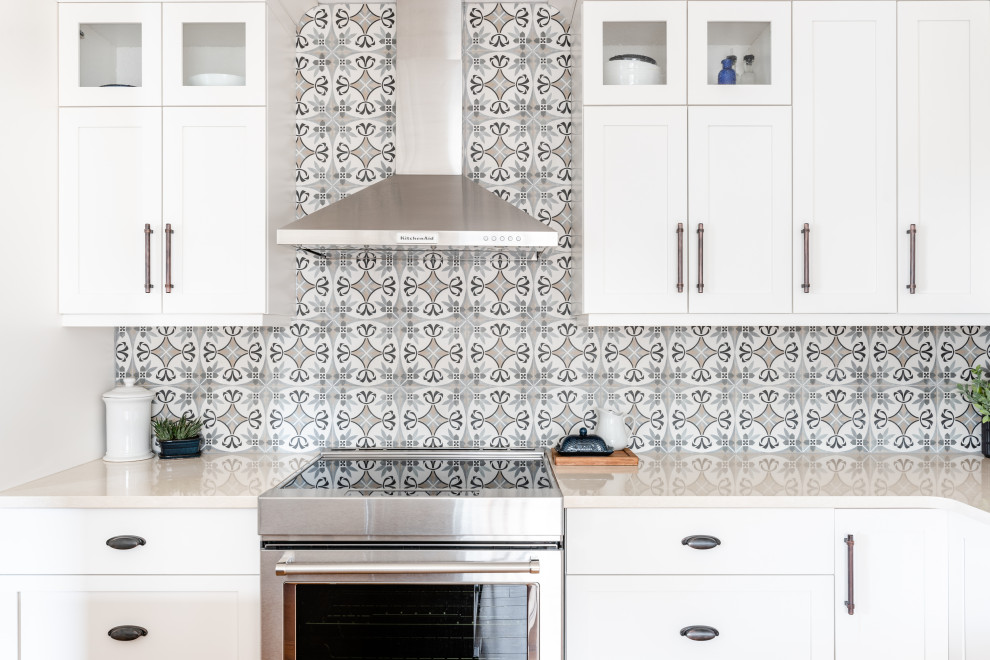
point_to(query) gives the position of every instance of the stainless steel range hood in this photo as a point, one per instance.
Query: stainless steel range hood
(427, 202)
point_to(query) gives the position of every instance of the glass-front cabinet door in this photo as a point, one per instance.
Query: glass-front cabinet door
(109, 54)
(634, 53)
(739, 53)
(213, 53)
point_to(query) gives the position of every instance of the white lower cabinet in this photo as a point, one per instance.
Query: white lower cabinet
(899, 582)
(183, 584)
(638, 617)
(72, 617)
(969, 589)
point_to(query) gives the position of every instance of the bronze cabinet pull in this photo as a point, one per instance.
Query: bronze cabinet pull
(168, 258)
(147, 258)
(912, 286)
(701, 542)
(701, 257)
(126, 542)
(699, 633)
(127, 633)
(680, 257)
(807, 267)
(851, 603)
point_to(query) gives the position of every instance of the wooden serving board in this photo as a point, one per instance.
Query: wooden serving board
(621, 457)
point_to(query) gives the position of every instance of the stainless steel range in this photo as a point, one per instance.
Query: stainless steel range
(410, 555)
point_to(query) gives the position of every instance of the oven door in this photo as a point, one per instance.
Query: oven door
(359, 603)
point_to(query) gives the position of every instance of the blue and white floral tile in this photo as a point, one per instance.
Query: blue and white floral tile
(902, 355)
(834, 355)
(769, 419)
(702, 419)
(903, 418)
(837, 417)
(298, 418)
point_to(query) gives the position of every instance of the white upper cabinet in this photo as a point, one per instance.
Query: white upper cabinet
(213, 53)
(635, 200)
(900, 585)
(845, 157)
(756, 31)
(643, 42)
(214, 234)
(110, 196)
(944, 156)
(739, 167)
(109, 54)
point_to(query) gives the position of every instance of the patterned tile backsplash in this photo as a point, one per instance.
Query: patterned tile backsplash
(422, 349)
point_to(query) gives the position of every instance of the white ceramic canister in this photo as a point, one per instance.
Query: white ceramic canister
(631, 69)
(128, 422)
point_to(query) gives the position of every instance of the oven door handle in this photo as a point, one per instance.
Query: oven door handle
(364, 568)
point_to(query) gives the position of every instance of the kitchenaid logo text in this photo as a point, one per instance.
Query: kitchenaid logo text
(415, 238)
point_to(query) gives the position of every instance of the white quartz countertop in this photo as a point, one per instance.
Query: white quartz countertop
(225, 480)
(784, 480)
(216, 480)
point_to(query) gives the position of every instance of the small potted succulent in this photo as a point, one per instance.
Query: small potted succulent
(178, 438)
(977, 393)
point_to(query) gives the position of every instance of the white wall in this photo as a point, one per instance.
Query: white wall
(51, 378)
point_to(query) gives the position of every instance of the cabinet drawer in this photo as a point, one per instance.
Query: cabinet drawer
(650, 541)
(185, 617)
(641, 617)
(181, 541)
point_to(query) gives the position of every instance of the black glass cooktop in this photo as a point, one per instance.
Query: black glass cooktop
(432, 475)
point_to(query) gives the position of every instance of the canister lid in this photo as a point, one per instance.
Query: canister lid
(129, 390)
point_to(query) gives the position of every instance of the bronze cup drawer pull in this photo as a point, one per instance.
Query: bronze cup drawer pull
(127, 633)
(699, 633)
(701, 542)
(125, 542)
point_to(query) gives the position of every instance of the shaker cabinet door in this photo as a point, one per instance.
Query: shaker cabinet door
(900, 584)
(109, 189)
(635, 200)
(944, 157)
(845, 157)
(740, 199)
(214, 178)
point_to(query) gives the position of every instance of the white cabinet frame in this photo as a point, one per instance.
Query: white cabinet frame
(778, 14)
(597, 14)
(71, 16)
(252, 14)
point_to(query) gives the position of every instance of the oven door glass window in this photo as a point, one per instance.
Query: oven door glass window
(413, 621)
